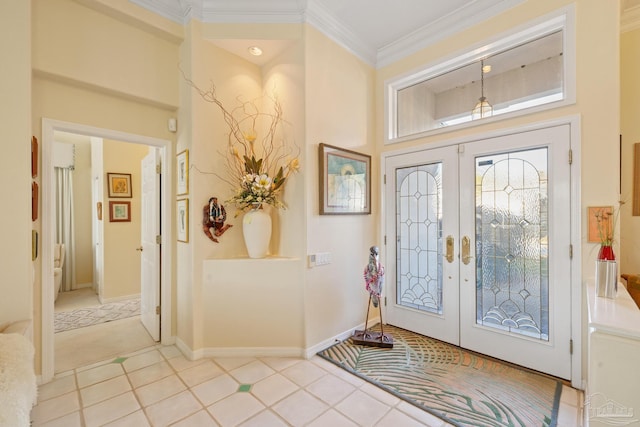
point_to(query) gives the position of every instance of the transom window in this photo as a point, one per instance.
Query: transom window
(529, 69)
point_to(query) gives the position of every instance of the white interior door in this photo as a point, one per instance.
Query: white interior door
(509, 230)
(149, 248)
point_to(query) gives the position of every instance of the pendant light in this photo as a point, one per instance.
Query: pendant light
(482, 108)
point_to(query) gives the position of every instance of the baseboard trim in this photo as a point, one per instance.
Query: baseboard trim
(311, 351)
(306, 353)
(117, 299)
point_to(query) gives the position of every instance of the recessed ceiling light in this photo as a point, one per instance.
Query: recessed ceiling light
(255, 51)
(486, 69)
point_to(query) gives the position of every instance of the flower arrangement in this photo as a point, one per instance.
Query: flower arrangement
(256, 170)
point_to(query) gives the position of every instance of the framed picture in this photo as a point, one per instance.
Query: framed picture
(119, 185)
(183, 220)
(34, 157)
(345, 181)
(182, 169)
(35, 195)
(635, 207)
(598, 214)
(119, 211)
(34, 245)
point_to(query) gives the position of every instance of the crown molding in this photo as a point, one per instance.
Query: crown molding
(323, 20)
(314, 13)
(253, 11)
(177, 11)
(458, 20)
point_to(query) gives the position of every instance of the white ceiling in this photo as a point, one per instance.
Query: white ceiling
(377, 31)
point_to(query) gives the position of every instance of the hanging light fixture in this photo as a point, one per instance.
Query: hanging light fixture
(482, 108)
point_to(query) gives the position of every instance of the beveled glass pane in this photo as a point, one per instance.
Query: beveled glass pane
(511, 242)
(419, 250)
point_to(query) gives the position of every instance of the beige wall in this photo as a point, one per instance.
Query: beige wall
(340, 111)
(121, 260)
(630, 130)
(76, 42)
(16, 284)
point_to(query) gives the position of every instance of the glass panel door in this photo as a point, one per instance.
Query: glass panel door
(515, 288)
(477, 250)
(423, 277)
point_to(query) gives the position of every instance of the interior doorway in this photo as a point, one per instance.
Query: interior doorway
(164, 151)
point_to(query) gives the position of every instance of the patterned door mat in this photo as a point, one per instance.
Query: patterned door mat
(79, 318)
(459, 386)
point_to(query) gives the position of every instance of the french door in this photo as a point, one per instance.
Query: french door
(478, 246)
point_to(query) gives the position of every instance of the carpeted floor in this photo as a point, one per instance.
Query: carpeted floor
(459, 386)
(79, 318)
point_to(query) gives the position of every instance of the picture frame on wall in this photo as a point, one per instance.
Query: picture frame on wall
(182, 170)
(119, 211)
(34, 157)
(345, 181)
(119, 185)
(182, 216)
(596, 215)
(35, 196)
(34, 245)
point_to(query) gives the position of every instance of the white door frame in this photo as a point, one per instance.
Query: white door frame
(49, 126)
(576, 221)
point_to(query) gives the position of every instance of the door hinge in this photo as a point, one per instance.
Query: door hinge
(385, 240)
(570, 251)
(158, 239)
(570, 346)
(385, 301)
(384, 179)
(158, 310)
(158, 168)
(570, 156)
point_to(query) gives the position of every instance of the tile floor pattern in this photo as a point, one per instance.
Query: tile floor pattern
(158, 386)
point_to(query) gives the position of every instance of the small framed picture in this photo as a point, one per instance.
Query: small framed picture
(119, 211)
(183, 220)
(119, 185)
(182, 169)
(345, 181)
(34, 245)
(600, 223)
(35, 196)
(34, 157)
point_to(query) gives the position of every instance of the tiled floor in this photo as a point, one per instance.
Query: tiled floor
(158, 386)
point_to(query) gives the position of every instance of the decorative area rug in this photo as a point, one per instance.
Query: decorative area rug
(79, 318)
(457, 385)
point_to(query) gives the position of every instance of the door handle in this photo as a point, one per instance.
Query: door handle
(466, 250)
(449, 244)
(139, 249)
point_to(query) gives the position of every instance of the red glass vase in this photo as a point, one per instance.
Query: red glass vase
(606, 253)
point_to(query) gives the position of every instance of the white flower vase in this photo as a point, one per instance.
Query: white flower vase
(256, 228)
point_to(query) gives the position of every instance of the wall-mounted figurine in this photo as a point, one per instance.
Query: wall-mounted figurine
(213, 217)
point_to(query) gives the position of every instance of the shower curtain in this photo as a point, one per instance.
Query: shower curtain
(64, 224)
